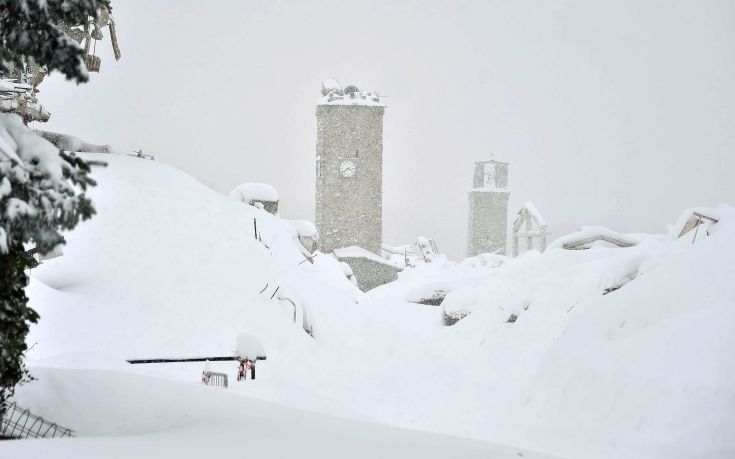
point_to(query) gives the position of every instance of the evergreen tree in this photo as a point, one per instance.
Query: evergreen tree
(34, 29)
(41, 194)
(42, 190)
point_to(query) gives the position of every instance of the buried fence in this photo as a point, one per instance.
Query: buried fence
(20, 423)
(211, 378)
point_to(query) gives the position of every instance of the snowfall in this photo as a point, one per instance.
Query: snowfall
(614, 352)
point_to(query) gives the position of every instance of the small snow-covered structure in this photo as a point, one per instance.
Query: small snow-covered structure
(331, 86)
(369, 269)
(21, 98)
(249, 347)
(305, 235)
(427, 248)
(529, 226)
(590, 237)
(424, 250)
(334, 94)
(260, 195)
(695, 222)
(400, 254)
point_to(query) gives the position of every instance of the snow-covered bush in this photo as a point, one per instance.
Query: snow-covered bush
(41, 194)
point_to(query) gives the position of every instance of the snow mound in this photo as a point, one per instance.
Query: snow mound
(169, 267)
(592, 236)
(249, 347)
(248, 192)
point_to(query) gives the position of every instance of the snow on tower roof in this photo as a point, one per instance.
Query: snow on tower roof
(254, 192)
(491, 160)
(333, 94)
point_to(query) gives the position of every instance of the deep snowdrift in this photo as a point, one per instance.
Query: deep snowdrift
(163, 418)
(613, 353)
(168, 267)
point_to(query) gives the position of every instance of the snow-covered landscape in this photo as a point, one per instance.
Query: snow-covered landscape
(623, 373)
(167, 293)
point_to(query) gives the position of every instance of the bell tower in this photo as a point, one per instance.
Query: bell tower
(349, 168)
(488, 215)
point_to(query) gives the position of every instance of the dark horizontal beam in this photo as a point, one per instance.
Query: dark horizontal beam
(191, 359)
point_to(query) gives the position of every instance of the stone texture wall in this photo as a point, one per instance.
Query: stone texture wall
(369, 273)
(488, 222)
(349, 210)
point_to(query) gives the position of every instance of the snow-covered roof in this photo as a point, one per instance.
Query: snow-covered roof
(333, 94)
(490, 161)
(714, 214)
(358, 252)
(10, 87)
(528, 205)
(348, 101)
(583, 238)
(254, 192)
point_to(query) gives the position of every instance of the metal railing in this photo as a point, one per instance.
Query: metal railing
(20, 423)
(211, 378)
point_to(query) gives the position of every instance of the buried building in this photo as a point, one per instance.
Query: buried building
(259, 195)
(370, 270)
(589, 237)
(695, 222)
(529, 227)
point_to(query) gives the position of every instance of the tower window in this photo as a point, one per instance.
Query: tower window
(489, 176)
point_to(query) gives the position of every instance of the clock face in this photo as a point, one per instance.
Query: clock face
(347, 168)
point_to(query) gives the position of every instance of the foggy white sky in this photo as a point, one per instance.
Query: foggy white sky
(619, 113)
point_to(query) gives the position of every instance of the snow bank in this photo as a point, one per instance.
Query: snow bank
(426, 280)
(168, 267)
(163, 418)
(626, 351)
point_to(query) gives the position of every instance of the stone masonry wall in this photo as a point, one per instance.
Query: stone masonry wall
(349, 209)
(488, 222)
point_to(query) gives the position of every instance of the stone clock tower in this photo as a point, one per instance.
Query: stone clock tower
(349, 168)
